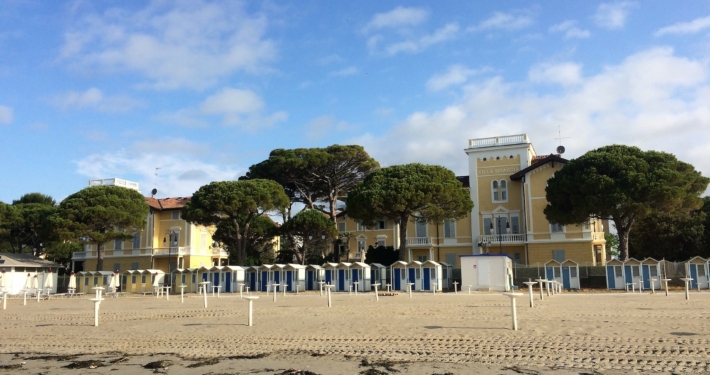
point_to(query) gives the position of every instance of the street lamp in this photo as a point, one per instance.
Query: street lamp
(173, 242)
(500, 233)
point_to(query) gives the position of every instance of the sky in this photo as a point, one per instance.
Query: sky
(176, 94)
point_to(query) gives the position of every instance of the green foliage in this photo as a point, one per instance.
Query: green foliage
(612, 243)
(26, 225)
(99, 214)
(674, 237)
(430, 192)
(315, 231)
(61, 252)
(624, 184)
(236, 204)
(382, 255)
(262, 232)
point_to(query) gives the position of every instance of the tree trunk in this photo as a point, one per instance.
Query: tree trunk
(100, 256)
(623, 243)
(403, 237)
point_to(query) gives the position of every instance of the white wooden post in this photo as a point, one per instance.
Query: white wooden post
(241, 290)
(182, 293)
(409, 285)
(204, 289)
(377, 295)
(455, 284)
(541, 282)
(434, 289)
(665, 282)
(4, 300)
(530, 291)
(24, 299)
(283, 286)
(469, 289)
(388, 288)
(248, 293)
(274, 292)
(320, 284)
(268, 286)
(512, 297)
(640, 286)
(356, 284)
(251, 299)
(687, 286)
(97, 303)
(653, 287)
(328, 288)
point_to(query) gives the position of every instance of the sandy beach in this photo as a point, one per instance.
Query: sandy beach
(571, 333)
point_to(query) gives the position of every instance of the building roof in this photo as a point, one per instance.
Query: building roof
(25, 260)
(537, 162)
(167, 203)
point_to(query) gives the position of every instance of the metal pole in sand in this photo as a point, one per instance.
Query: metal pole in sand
(356, 284)
(24, 299)
(251, 299)
(434, 289)
(241, 290)
(469, 289)
(665, 282)
(248, 293)
(640, 286)
(455, 284)
(377, 295)
(204, 290)
(182, 293)
(653, 287)
(320, 284)
(274, 292)
(268, 286)
(530, 292)
(409, 285)
(97, 303)
(541, 282)
(687, 283)
(512, 307)
(328, 288)
(4, 300)
(283, 287)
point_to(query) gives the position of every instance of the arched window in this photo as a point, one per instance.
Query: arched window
(494, 189)
(499, 190)
(503, 190)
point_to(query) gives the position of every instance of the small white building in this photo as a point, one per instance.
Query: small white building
(331, 276)
(314, 274)
(252, 278)
(615, 274)
(399, 275)
(414, 275)
(234, 275)
(697, 269)
(431, 276)
(651, 273)
(447, 275)
(295, 276)
(487, 272)
(378, 274)
(360, 273)
(14, 269)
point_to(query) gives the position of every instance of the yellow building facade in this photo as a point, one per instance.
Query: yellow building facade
(507, 181)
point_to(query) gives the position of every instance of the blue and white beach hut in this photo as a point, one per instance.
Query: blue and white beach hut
(314, 274)
(414, 274)
(331, 274)
(266, 277)
(570, 274)
(251, 275)
(378, 274)
(553, 271)
(279, 276)
(447, 275)
(218, 275)
(203, 274)
(344, 277)
(295, 277)
(697, 269)
(360, 272)
(399, 275)
(234, 275)
(615, 274)
(651, 273)
(632, 271)
(431, 276)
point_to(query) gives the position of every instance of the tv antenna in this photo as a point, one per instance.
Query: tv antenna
(560, 148)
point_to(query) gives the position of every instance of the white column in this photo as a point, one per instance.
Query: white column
(512, 308)
(530, 290)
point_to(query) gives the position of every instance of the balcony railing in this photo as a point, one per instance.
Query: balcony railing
(419, 241)
(597, 236)
(502, 238)
(115, 182)
(498, 141)
(79, 254)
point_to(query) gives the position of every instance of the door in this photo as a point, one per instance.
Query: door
(252, 281)
(373, 279)
(228, 282)
(484, 272)
(204, 276)
(550, 273)
(397, 277)
(646, 276)
(413, 277)
(566, 278)
(694, 276)
(215, 279)
(289, 281)
(328, 277)
(264, 281)
(309, 280)
(341, 280)
(356, 278)
(427, 280)
(610, 277)
(277, 280)
(629, 276)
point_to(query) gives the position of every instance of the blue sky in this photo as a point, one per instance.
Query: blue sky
(204, 89)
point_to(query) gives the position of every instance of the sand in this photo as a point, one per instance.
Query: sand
(571, 333)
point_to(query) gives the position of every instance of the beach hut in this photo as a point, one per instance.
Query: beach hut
(150, 279)
(487, 272)
(252, 277)
(184, 276)
(265, 276)
(344, 277)
(14, 268)
(331, 276)
(632, 271)
(233, 277)
(553, 271)
(447, 275)
(414, 274)
(295, 275)
(697, 269)
(570, 274)
(83, 282)
(431, 276)
(278, 275)
(398, 270)
(130, 281)
(378, 274)
(314, 274)
(651, 273)
(615, 274)
(203, 274)
(360, 272)
(217, 276)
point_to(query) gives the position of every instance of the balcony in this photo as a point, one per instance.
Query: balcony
(498, 141)
(419, 241)
(597, 236)
(115, 182)
(498, 238)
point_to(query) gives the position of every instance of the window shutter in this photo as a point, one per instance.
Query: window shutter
(515, 225)
(487, 225)
(558, 255)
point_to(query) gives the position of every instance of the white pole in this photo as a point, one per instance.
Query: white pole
(530, 290)
(204, 290)
(377, 295)
(4, 300)
(434, 288)
(653, 287)
(97, 303)
(283, 287)
(274, 292)
(665, 281)
(241, 288)
(356, 284)
(24, 299)
(268, 286)
(182, 293)
(410, 289)
(251, 299)
(512, 308)
(328, 292)
(469, 289)
(540, 281)
(455, 283)
(687, 290)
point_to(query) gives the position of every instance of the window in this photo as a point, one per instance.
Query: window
(556, 228)
(361, 245)
(96, 280)
(194, 278)
(499, 190)
(558, 255)
(417, 273)
(360, 227)
(503, 190)
(421, 258)
(403, 274)
(451, 259)
(450, 229)
(175, 215)
(134, 265)
(105, 280)
(117, 266)
(487, 225)
(701, 271)
(133, 279)
(573, 272)
(86, 280)
(516, 256)
(136, 241)
(654, 271)
(203, 241)
(341, 226)
(494, 189)
(382, 224)
(635, 271)
(118, 244)
(420, 228)
(557, 271)
(617, 271)
(380, 242)
(87, 247)
(341, 248)
(142, 279)
(514, 225)
(501, 225)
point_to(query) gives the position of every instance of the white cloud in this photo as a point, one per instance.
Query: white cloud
(349, 71)
(323, 126)
(95, 99)
(613, 15)
(6, 115)
(504, 21)
(190, 44)
(181, 162)
(447, 32)
(691, 27)
(397, 17)
(653, 99)
(565, 74)
(455, 75)
(570, 30)
(235, 107)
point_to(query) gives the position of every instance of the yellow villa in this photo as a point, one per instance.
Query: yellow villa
(167, 239)
(507, 181)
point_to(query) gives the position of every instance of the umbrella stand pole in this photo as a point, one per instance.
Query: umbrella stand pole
(4, 300)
